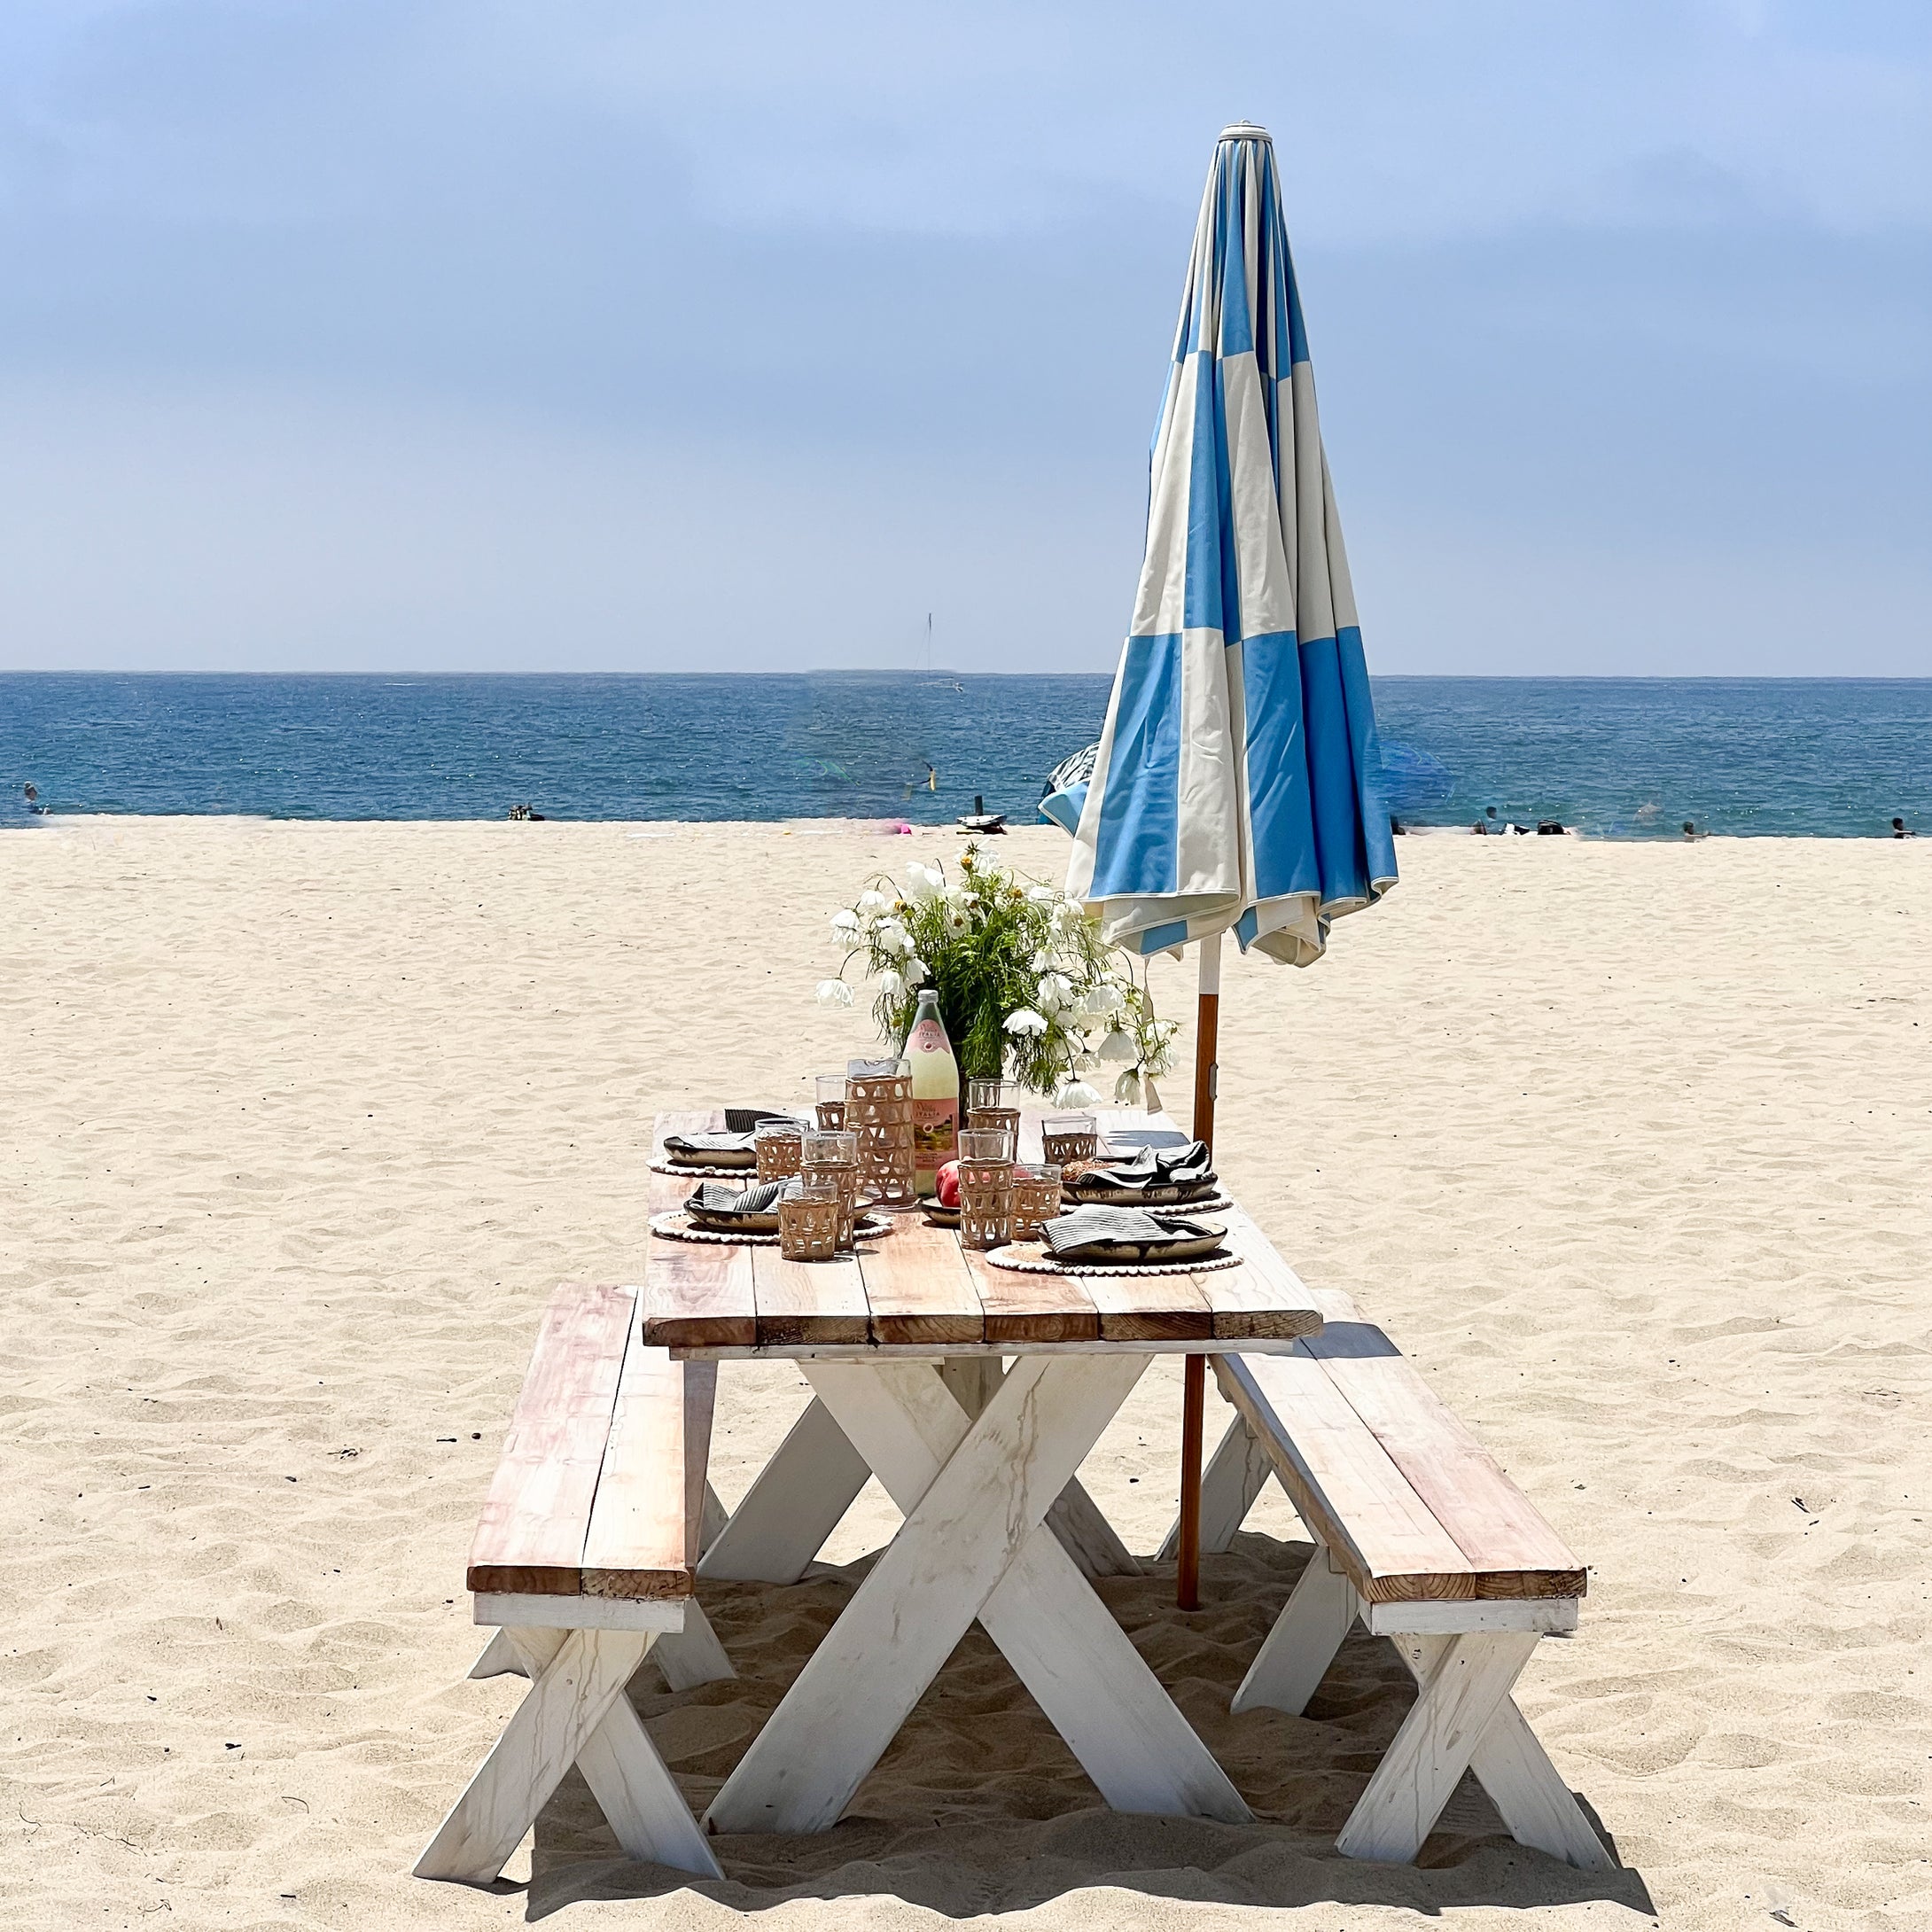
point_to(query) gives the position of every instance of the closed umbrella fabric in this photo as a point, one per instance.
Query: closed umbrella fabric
(1234, 787)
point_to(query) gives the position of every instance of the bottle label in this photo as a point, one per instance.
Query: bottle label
(935, 1131)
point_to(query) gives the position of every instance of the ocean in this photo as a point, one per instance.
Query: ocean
(1615, 757)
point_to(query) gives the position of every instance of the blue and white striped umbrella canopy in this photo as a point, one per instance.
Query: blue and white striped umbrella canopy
(1235, 786)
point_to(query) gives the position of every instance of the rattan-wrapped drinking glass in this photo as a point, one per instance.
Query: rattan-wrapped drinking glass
(1036, 1198)
(987, 1108)
(834, 1158)
(832, 1102)
(1068, 1137)
(809, 1222)
(780, 1148)
(878, 1109)
(985, 1187)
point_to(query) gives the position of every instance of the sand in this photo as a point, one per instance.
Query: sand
(1629, 1147)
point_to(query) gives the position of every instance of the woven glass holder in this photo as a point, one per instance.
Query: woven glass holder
(808, 1227)
(878, 1108)
(996, 1120)
(1068, 1137)
(779, 1151)
(985, 1202)
(1036, 1198)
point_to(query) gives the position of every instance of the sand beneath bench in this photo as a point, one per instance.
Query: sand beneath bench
(1629, 1147)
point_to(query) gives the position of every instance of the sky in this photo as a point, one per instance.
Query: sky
(493, 335)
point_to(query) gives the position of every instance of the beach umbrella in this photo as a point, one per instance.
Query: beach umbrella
(1235, 784)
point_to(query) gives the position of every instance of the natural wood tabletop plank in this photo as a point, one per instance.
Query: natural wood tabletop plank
(530, 1538)
(1262, 1300)
(918, 1287)
(1033, 1308)
(1149, 1307)
(1513, 1549)
(803, 1302)
(697, 1294)
(641, 1544)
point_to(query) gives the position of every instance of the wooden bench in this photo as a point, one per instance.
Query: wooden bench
(584, 1560)
(1424, 1540)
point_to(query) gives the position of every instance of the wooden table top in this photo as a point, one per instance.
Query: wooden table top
(917, 1290)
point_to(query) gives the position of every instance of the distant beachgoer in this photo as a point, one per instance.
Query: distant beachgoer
(1899, 827)
(1690, 829)
(1397, 827)
(31, 792)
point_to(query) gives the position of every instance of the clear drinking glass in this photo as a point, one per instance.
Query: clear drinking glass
(779, 1145)
(830, 1088)
(1036, 1196)
(985, 1187)
(833, 1156)
(809, 1222)
(1070, 1137)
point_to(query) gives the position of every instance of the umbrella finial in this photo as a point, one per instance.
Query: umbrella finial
(1244, 131)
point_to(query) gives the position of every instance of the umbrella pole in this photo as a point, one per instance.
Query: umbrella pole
(1194, 1367)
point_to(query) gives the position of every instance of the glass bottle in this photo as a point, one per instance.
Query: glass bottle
(935, 1092)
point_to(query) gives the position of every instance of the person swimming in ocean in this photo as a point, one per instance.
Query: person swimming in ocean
(1900, 830)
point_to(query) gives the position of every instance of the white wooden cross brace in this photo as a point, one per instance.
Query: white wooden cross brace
(575, 1712)
(814, 1476)
(1463, 1719)
(974, 1492)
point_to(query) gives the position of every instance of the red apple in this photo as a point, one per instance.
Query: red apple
(946, 1185)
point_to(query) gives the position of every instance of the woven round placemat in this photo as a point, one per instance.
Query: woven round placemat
(679, 1227)
(1028, 1258)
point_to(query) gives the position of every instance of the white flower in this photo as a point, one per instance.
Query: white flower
(891, 984)
(1042, 960)
(1026, 1021)
(1075, 1094)
(1055, 991)
(844, 924)
(834, 993)
(1120, 1047)
(893, 937)
(1127, 1088)
(923, 881)
(916, 972)
(1042, 895)
(873, 903)
(1103, 1001)
(956, 921)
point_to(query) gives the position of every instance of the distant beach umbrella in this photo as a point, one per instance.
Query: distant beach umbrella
(1235, 787)
(1064, 793)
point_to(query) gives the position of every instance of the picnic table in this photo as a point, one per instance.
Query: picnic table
(973, 1393)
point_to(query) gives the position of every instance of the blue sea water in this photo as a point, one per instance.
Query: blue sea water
(1619, 757)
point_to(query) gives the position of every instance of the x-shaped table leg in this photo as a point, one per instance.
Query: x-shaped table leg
(975, 1492)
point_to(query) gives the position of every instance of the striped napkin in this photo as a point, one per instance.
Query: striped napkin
(1071, 1236)
(1188, 1166)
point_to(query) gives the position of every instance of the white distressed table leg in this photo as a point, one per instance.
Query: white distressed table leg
(633, 1786)
(1237, 1474)
(498, 1657)
(712, 1519)
(1296, 1654)
(975, 1494)
(1079, 1522)
(692, 1656)
(1468, 1683)
(1530, 1795)
(1086, 1535)
(565, 1703)
(796, 1503)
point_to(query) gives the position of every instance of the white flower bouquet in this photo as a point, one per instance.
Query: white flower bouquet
(1026, 987)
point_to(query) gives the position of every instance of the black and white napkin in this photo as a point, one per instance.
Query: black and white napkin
(721, 1201)
(1087, 1230)
(1188, 1166)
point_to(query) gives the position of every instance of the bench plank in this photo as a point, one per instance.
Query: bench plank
(918, 1287)
(1342, 1481)
(530, 1537)
(643, 1535)
(1511, 1547)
